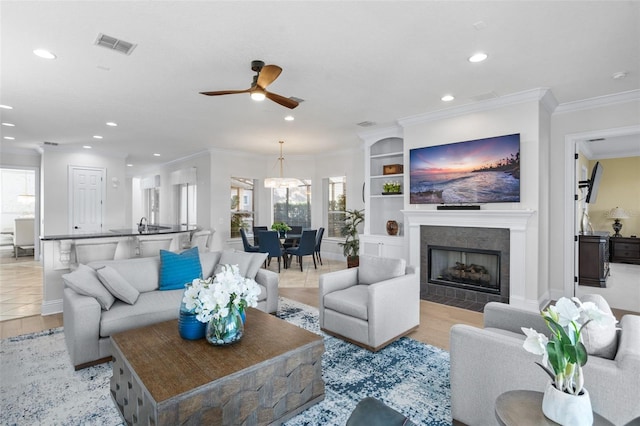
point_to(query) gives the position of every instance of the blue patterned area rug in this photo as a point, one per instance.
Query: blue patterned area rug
(39, 386)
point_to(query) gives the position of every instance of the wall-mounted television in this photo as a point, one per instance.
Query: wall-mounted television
(592, 184)
(470, 172)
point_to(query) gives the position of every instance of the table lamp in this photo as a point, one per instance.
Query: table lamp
(616, 214)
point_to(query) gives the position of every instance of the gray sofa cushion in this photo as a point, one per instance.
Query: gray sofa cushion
(84, 281)
(152, 307)
(117, 285)
(374, 269)
(208, 261)
(351, 301)
(248, 263)
(142, 273)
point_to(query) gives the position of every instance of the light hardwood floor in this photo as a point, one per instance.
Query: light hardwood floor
(15, 277)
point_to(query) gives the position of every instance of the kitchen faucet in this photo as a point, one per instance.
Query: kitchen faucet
(144, 228)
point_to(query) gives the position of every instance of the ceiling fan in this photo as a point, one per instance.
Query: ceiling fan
(265, 75)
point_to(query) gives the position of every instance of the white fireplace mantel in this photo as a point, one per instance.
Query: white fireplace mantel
(514, 220)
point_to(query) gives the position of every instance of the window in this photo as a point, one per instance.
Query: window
(337, 204)
(187, 202)
(152, 204)
(293, 205)
(242, 209)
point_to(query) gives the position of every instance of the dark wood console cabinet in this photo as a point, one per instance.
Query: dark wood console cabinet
(624, 250)
(593, 259)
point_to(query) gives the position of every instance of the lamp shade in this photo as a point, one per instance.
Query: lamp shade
(617, 213)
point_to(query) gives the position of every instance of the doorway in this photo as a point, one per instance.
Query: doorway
(86, 190)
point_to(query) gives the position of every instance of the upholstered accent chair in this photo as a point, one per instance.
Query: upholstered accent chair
(371, 305)
(256, 234)
(245, 243)
(23, 234)
(485, 362)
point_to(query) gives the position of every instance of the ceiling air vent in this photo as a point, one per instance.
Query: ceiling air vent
(115, 44)
(50, 143)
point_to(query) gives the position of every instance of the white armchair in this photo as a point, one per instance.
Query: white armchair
(23, 234)
(371, 305)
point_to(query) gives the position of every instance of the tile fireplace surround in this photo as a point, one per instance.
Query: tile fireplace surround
(514, 220)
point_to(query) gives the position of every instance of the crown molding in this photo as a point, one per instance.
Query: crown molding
(598, 102)
(533, 95)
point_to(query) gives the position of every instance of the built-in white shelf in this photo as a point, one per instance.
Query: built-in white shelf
(398, 175)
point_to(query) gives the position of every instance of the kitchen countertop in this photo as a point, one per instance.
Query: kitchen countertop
(123, 232)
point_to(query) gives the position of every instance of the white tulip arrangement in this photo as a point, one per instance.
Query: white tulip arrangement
(564, 355)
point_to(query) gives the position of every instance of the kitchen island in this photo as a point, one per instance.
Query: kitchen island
(62, 253)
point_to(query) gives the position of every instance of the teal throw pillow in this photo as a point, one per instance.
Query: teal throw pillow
(176, 270)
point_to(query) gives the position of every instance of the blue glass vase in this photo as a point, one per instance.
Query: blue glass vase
(225, 330)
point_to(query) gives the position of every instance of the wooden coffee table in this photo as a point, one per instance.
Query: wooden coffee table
(272, 374)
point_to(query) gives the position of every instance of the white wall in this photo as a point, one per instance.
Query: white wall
(526, 118)
(54, 192)
(563, 124)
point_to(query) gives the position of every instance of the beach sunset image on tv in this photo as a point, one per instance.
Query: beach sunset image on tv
(477, 171)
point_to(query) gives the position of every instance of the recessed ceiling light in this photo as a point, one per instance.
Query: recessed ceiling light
(478, 57)
(155, 154)
(112, 124)
(289, 118)
(618, 75)
(6, 107)
(9, 124)
(10, 138)
(447, 98)
(129, 165)
(44, 54)
(86, 146)
(97, 137)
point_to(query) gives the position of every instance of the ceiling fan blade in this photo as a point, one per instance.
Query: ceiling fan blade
(286, 102)
(268, 74)
(225, 92)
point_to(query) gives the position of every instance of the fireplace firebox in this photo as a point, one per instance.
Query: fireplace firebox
(466, 268)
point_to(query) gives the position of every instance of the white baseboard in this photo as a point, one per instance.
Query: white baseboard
(52, 307)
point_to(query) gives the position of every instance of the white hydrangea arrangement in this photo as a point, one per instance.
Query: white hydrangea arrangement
(214, 297)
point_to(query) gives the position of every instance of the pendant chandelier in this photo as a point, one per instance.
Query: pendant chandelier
(282, 182)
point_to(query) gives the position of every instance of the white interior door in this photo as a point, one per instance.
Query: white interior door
(87, 189)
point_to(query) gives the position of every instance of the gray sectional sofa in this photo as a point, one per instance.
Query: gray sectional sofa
(88, 325)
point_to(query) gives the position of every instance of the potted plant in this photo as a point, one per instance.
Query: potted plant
(565, 400)
(351, 245)
(281, 227)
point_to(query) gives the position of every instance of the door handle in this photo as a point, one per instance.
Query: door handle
(76, 227)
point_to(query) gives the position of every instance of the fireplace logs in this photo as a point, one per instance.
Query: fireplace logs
(468, 274)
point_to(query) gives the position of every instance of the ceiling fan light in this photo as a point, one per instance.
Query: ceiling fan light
(258, 96)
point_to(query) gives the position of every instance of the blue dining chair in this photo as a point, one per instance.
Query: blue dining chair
(306, 247)
(292, 242)
(318, 243)
(270, 244)
(256, 234)
(245, 242)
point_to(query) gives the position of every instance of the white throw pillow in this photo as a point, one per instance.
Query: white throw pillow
(600, 340)
(117, 285)
(84, 281)
(374, 269)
